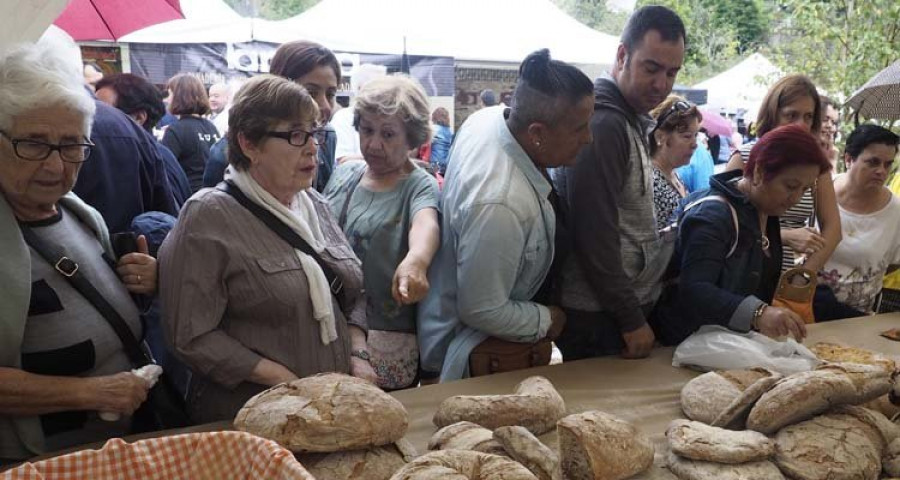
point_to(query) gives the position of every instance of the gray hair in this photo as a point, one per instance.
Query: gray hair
(43, 74)
(400, 95)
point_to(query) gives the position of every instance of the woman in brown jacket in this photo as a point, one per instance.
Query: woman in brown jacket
(243, 308)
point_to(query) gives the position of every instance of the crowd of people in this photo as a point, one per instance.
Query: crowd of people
(271, 240)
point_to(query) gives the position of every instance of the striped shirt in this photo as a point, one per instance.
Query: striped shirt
(798, 216)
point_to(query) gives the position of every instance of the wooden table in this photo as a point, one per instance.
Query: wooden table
(645, 392)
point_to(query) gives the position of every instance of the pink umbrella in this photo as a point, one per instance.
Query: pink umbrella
(716, 124)
(112, 19)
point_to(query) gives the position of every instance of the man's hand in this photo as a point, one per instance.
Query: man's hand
(557, 322)
(638, 343)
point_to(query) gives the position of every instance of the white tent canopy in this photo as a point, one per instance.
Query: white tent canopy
(741, 87)
(205, 21)
(502, 31)
(478, 30)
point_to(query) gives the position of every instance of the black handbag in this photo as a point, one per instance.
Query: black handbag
(164, 408)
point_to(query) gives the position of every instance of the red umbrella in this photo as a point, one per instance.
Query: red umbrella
(111, 19)
(716, 124)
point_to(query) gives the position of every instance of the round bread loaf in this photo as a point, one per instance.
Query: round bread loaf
(724, 397)
(802, 395)
(698, 441)
(526, 449)
(837, 446)
(687, 469)
(536, 405)
(462, 465)
(891, 458)
(378, 463)
(324, 413)
(465, 436)
(595, 445)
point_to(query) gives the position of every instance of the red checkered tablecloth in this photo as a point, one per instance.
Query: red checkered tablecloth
(195, 456)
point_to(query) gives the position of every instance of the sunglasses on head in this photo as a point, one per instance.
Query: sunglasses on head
(680, 106)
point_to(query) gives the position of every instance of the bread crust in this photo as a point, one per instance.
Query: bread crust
(462, 465)
(465, 436)
(803, 395)
(698, 441)
(595, 445)
(718, 397)
(325, 413)
(837, 445)
(526, 449)
(687, 469)
(535, 405)
(378, 463)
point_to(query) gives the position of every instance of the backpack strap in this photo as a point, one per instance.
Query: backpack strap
(734, 217)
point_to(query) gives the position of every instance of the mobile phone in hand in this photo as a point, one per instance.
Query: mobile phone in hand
(124, 243)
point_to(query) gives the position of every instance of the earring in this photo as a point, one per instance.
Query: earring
(538, 144)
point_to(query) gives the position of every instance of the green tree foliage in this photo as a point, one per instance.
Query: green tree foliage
(840, 44)
(594, 14)
(271, 9)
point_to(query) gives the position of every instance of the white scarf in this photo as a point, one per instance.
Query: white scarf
(303, 220)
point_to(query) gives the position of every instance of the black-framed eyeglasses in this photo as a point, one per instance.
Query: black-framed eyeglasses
(38, 151)
(680, 106)
(298, 137)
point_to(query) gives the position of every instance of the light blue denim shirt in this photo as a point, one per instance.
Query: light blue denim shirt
(496, 248)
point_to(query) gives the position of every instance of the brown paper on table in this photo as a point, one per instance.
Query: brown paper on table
(645, 392)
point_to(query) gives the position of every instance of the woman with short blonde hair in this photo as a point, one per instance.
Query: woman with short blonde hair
(387, 207)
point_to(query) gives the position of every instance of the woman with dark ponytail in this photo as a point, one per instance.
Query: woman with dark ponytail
(492, 280)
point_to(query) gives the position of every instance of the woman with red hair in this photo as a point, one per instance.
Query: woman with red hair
(729, 247)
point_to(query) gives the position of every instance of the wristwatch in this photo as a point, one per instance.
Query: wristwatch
(360, 353)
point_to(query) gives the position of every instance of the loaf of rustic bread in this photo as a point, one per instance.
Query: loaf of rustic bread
(536, 405)
(687, 469)
(462, 465)
(723, 398)
(839, 445)
(698, 441)
(324, 413)
(465, 436)
(378, 463)
(803, 395)
(596, 445)
(526, 449)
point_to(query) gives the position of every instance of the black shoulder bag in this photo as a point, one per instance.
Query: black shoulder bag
(164, 407)
(286, 233)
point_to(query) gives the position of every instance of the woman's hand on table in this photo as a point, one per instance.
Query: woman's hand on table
(360, 368)
(138, 271)
(120, 393)
(776, 322)
(410, 282)
(803, 240)
(270, 373)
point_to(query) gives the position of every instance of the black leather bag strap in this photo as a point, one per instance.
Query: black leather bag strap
(68, 268)
(286, 233)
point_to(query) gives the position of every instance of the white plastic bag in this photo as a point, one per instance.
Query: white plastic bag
(713, 347)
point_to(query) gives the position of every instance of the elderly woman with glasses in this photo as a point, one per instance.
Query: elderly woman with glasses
(60, 362)
(672, 143)
(258, 284)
